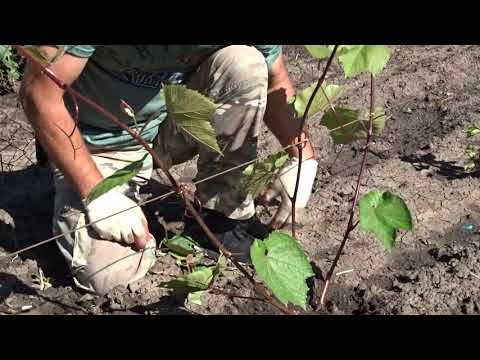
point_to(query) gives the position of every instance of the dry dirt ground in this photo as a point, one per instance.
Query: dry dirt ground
(432, 94)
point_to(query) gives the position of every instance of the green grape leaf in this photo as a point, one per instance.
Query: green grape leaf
(473, 131)
(38, 54)
(199, 279)
(281, 263)
(357, 59)
(383, 214)
(345, 127)
(61, 50)
(472, 152)
(181, 245)
(118, 178)
(195, 297)
(324, 51)
(193, 113)
(470, 166)
(4, 50)
(320, 102)
(319, 51)
(11, 65)
(257, 176)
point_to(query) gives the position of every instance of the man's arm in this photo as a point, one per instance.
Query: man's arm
(44, 106)
(279, 116)
(43, 102)
(280, 119)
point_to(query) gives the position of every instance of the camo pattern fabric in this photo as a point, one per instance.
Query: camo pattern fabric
(235, 77)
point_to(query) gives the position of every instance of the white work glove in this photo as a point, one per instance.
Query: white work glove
(129, 227)
(284, 185)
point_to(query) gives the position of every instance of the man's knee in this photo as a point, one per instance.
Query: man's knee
(103, 282)
(243, 56)
(240, 67)
(111, 265)
(99, 265)
(238, 79)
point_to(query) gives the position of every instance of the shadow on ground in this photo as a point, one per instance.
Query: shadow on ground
(447, 169)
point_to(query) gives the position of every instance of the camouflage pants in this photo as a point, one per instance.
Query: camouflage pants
(235, 77)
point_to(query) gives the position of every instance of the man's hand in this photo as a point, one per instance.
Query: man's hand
(129, 227)
(284, 186)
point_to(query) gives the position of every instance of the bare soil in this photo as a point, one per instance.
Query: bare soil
(432, 94)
